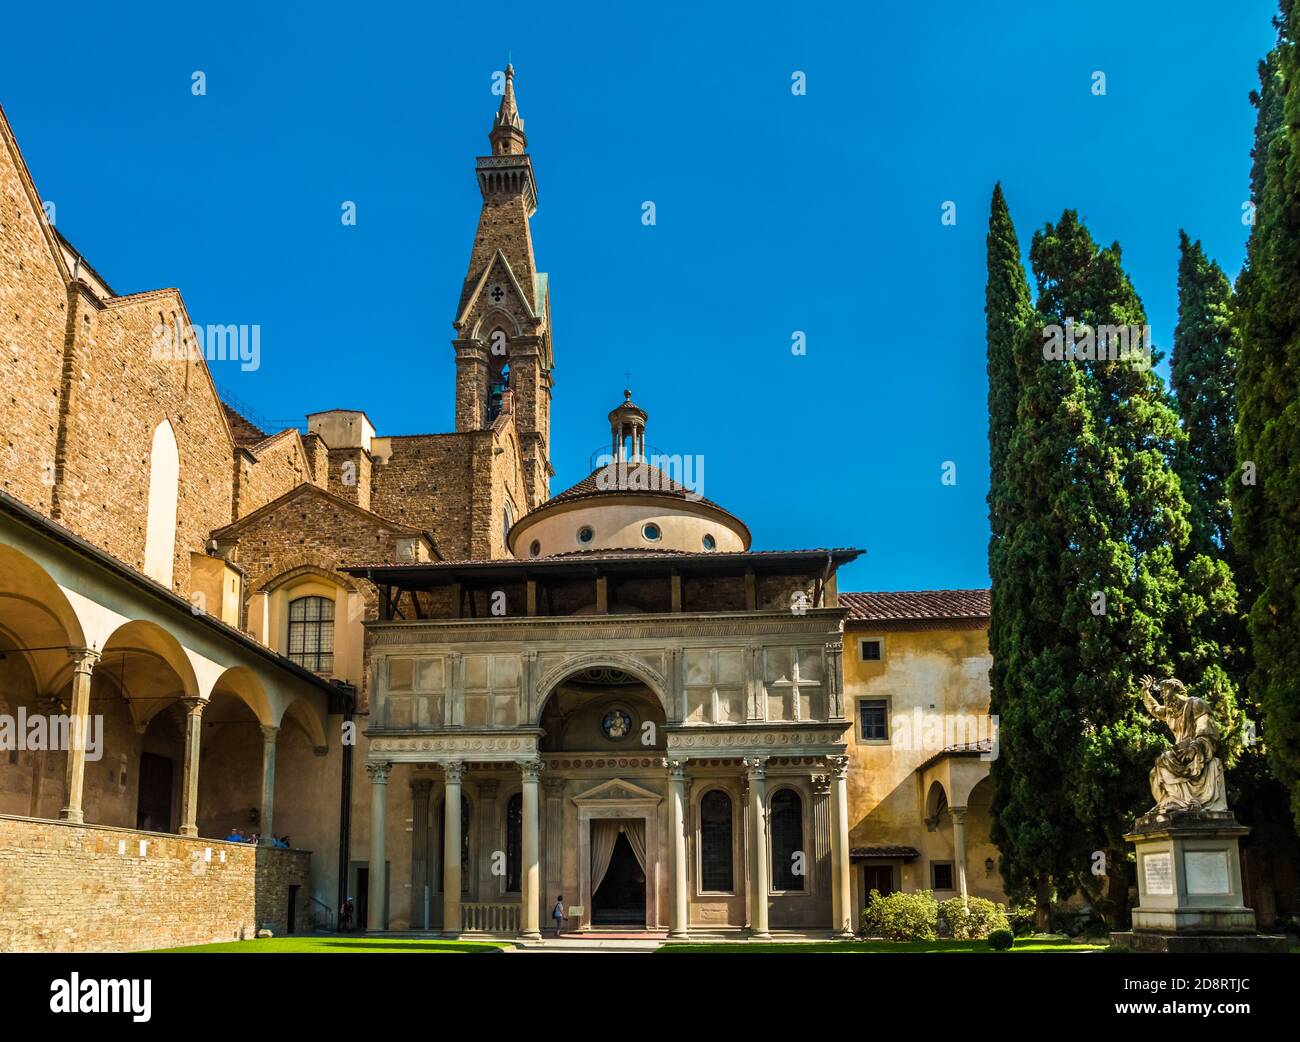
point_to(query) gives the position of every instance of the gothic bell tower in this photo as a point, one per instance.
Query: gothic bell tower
(503, 323)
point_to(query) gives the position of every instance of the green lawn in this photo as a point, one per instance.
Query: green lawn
(333, 945)
(1023, 944)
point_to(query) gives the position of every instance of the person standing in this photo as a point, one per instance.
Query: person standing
(557, 913)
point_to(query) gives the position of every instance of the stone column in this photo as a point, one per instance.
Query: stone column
(959, 847)
(83, 664)
(378, 886)
(454, 771)
(679, 916)
(841, 876)
(420, 790)
(554, 788)
(490, 887)
(529, 870)
(190, 770)
(756, 772)
(268, 785)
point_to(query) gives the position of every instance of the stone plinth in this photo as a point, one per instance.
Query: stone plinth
(1190, 896)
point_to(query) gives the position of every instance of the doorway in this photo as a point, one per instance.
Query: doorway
(154, 803)
(619, 900)
(877, 877)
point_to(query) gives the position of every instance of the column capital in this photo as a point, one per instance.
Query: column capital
(453, 771)
(821, 784)
(420, 787)
(677, 770)
(378, 771)
(531, 769)
(83, 659)
(958, 814)
(194, 705)
(488, 787)
(269, 733)
(554, 787)
(839, 766)
(755, 767)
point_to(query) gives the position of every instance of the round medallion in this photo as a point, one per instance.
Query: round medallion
(616, 724)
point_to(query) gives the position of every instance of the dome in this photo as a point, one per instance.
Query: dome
(629, 505)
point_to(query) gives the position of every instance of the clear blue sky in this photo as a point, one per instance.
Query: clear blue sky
(775, 213)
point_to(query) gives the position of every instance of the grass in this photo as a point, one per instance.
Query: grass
(1041, 943)
(329, 945)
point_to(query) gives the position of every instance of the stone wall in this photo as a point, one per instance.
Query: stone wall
(85, 888)
(279, 465)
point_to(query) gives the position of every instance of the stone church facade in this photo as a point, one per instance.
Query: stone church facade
(459, 697)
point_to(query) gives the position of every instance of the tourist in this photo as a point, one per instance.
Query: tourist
(236, 836)
(557, 913)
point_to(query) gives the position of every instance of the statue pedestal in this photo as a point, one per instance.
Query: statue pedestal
(1189, 887)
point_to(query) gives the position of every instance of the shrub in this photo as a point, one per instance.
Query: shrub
(974, 919)
(1024, 919)
(1001, 940)
(901, 916)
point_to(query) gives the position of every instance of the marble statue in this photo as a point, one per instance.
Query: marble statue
(1188, 776)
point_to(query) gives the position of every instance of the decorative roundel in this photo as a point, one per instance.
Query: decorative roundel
(617, 724)
(534, 548)
(651, 532)
(710, 543)
(585, 534)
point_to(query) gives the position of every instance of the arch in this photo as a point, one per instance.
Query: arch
(308, 716)
(130, 659)
(36, 614)
(496, 316)
(610, 660)
(244, 684)
(936, 800)
(164, 492)
(307, 569)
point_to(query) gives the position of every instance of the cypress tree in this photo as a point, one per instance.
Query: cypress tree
(1009, 312)
(1203, 368)
(1266, 514)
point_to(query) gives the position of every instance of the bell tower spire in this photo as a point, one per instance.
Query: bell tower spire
(503, 321)
(507, 136)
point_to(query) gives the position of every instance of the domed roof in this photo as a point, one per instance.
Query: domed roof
(638, 478)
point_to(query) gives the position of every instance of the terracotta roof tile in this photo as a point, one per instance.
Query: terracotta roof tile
(909, 605)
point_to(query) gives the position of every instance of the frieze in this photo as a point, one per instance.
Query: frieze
(459, 746)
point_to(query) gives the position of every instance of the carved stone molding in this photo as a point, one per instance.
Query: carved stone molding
(502, 748)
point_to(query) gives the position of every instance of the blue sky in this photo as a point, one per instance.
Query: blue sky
(775, 213)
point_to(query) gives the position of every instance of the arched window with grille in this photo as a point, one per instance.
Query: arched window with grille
(514, 841)
(789, 859)
(311, 633)
(715, 843)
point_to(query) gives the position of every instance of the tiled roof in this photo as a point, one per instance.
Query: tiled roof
(886, 850)
(632, 479)
(910, 605)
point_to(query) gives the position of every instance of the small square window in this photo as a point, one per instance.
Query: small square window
(871, 650)
(873, 720)
(941, 875)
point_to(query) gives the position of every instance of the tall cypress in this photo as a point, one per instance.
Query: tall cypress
(1266, 514)
(1203, 367)
(1009, 313)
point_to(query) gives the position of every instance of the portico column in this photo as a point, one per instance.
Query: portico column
(530, 872)
(679, 920)
(841, 877)
(83, 664)
(756, 772)
(268, 785)
(190, 769)
(378, 885)
(451, 825)
(959, 848)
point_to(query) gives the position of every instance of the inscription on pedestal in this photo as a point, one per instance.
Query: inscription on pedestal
(1159, 872)
(1207, 872)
